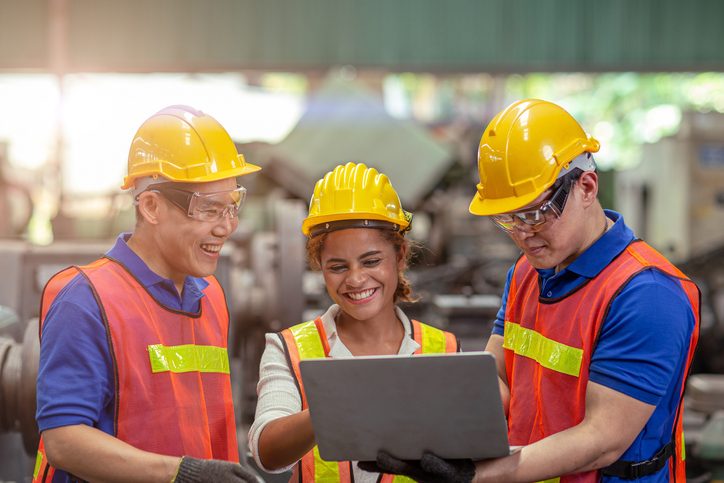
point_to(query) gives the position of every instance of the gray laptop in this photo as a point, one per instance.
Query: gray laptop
(448, 404)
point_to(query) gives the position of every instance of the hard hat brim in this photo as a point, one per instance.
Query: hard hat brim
(489, 207)
(247, 168)
(309, 223)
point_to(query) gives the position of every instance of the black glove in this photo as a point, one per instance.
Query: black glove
(194, 470)
(429, 469)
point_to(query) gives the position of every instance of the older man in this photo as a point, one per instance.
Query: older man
(133, 383)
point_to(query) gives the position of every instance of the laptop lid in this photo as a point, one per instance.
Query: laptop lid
(448, 404)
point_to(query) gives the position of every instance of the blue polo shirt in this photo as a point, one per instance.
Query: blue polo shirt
(644, 340)
(75, 376)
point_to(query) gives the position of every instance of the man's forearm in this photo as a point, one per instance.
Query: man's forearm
(93, 455)
(612, 422)
(567, 452)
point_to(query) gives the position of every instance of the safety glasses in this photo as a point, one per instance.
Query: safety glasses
(533, 219)
(204, 206)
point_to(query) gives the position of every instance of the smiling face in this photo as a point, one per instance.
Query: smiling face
(187, 246)
(360, 269)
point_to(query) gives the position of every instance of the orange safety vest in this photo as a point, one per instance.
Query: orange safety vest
(171, 368)
(308, 340)
(547, 363)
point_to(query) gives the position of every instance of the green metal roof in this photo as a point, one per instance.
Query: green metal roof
(422, 35)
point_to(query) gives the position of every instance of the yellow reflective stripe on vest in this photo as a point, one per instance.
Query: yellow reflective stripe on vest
(188, 358)
(552, 480)
(38, 463)
(326, 471)
(308, 340)
(433, 340)
(402, 479)
(547, 352)
(309, 345)
(683, 448)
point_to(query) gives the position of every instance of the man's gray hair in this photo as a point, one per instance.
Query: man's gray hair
(143, 184)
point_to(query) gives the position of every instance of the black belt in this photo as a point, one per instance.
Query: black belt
(631, 470)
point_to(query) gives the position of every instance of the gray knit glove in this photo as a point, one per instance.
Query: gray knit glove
(429, 469)
(194, 470)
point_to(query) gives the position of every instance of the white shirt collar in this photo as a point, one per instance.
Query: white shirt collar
(337, 347)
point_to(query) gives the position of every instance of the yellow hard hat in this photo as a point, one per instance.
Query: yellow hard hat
(522, 153)
(182, 144)
(353, 195)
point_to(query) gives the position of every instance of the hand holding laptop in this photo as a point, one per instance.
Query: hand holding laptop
(430, 468)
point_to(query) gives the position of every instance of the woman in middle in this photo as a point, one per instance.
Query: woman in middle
(356, 237)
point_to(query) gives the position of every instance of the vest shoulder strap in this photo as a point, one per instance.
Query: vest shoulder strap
(307, 340)
(648, 256)
(433, 340)
(57, 282)
(215, 292)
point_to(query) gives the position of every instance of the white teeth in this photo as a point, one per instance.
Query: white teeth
(211, 248)
(361, 295)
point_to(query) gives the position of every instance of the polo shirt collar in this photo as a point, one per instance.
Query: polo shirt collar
(154, 283)
(599, 255)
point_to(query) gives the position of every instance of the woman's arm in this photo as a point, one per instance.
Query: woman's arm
(281, 433)
(284, 441)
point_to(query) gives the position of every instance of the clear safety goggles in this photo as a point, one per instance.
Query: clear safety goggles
(204, 206)
(533, 219)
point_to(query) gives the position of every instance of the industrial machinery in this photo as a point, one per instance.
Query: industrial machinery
(26, 268)
(674, 198)
(18, 367)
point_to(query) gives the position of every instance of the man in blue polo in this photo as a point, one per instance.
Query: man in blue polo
(133, 383)
(597, 330)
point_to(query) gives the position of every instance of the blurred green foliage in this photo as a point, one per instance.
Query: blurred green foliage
(623, 110)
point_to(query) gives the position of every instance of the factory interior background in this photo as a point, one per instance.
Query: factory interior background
(406, 86)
